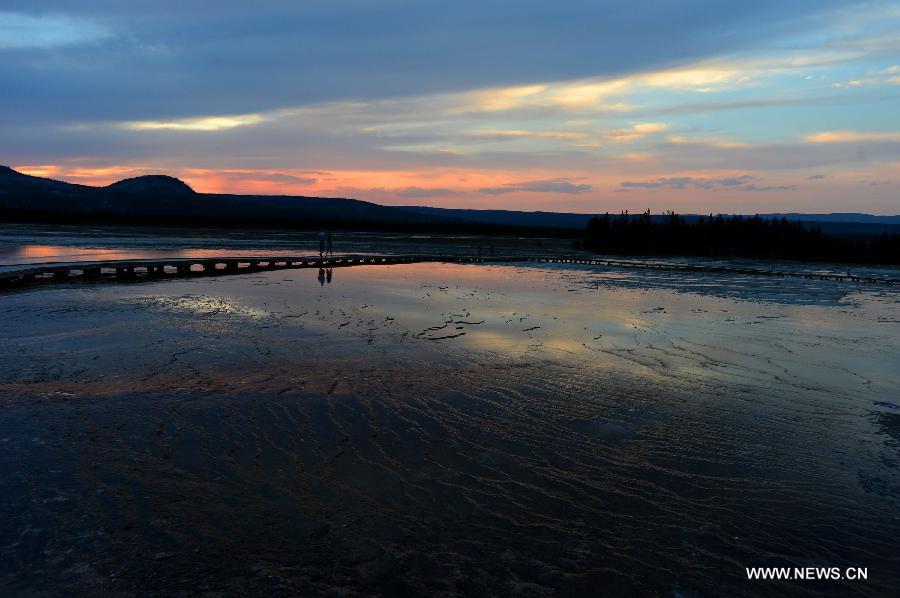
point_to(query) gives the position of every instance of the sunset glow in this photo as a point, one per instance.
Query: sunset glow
(815, 101)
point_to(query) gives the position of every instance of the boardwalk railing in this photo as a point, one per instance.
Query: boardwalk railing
(143, 269)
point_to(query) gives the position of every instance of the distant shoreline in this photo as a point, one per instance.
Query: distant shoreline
(159, 200)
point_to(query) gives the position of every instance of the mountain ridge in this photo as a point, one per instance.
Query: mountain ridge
(160, 196)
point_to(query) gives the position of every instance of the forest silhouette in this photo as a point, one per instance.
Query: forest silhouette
(735, 236)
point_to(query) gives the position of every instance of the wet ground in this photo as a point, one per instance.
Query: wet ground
(448, 429)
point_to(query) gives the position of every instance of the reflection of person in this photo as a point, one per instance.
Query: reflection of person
(328, 273)
(330, 247)
(321, 243)
(322, 276)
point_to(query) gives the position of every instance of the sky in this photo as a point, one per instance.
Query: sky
(695, 106)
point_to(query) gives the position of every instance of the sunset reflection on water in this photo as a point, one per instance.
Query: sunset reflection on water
(36, 254)
(517, 407)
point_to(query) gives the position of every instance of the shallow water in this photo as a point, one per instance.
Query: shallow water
(34, 244)
(47, 244)
(449, 428)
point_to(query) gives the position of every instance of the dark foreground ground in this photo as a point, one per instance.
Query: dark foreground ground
(448, 430)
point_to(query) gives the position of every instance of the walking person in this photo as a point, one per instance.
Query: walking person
(330, 246)
(321, 243)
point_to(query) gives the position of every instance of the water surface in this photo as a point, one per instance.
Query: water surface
(431, 428)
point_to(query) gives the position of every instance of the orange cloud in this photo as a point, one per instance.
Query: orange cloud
(96, 176)
(851, 136)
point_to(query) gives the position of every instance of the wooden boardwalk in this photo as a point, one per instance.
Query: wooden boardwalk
(144, 269)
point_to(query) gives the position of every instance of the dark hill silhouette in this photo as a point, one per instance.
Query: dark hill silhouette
(152, 184)
(160, 199)
(507, 217)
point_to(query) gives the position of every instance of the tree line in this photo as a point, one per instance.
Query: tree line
(735, 236)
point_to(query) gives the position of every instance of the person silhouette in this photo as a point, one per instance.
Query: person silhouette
(329, 246)
(321, 243)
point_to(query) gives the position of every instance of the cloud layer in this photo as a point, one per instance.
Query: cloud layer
(171, 59)
(690, 105)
